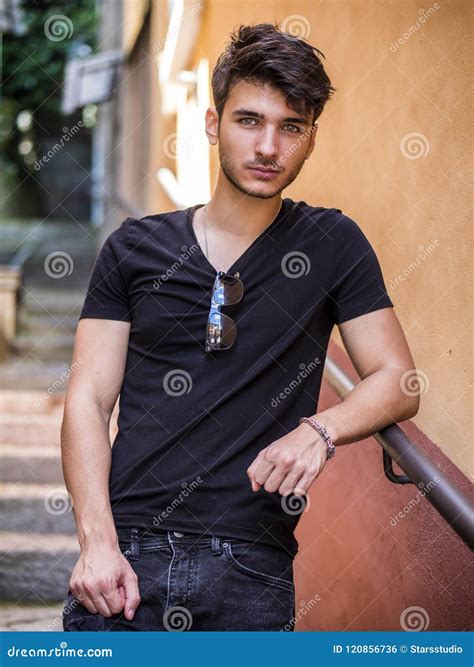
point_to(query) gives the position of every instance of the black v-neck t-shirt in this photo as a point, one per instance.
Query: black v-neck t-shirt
(190, 421)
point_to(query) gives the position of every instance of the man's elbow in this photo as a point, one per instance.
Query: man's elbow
(412, 407)
(411, 387)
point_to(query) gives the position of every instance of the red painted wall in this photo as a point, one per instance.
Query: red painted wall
(360, 567)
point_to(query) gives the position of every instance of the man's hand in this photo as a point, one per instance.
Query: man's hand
(104, 581)
(291, 463)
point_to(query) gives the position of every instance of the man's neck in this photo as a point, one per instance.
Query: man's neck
(235, 214)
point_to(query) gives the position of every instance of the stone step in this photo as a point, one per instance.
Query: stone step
(50, 377)
(43, 301)
(41, 430)
(33, 465)
(36, 568)
(39, 508)
(31, 403)
(45, 324)
(27, 430)
(45, 347)
(16, 617)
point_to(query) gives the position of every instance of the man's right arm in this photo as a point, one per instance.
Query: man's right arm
(103, 580)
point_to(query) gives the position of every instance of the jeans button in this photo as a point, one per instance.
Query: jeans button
(176, 534)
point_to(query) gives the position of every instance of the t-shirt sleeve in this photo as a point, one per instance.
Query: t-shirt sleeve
(357, 286)
(107, 292)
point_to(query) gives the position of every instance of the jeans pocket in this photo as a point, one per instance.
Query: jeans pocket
(266, 564)
(76, 617)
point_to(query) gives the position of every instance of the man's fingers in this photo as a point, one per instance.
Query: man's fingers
(102, 605)
(262, 471)
(89, 605)
(302, 485)
(80, 596)
(114, 599)
(132, 593)
(275, 479)
(289, 483)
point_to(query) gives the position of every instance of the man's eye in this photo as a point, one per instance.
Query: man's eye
(252, 121)
(295, 130)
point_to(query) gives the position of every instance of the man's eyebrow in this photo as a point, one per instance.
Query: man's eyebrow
(261, 116)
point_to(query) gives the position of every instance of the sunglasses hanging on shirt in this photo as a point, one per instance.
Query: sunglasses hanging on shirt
(221, 330)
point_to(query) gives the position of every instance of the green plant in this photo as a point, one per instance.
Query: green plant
(33, 69)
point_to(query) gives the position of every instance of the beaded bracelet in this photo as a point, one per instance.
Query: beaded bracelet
(331, 450)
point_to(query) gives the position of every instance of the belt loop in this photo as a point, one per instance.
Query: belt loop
(215, 543)
(134, 544)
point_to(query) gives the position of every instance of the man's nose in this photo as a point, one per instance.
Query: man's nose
(267, 145)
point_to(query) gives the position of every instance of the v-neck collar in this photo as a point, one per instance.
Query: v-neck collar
(237, 264)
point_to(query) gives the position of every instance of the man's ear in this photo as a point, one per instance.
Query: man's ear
(212, 125)
(312, 140)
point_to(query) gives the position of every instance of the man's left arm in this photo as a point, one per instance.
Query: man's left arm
(380, 354)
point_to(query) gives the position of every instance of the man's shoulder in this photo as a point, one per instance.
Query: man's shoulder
(324, 217)
(153, 220)
(155, 226)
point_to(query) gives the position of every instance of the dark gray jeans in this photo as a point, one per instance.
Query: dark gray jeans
(198, 582)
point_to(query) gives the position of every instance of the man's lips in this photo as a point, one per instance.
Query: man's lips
(264, 172)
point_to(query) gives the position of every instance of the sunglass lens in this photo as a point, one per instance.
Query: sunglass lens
(228, 290)
(221, 332)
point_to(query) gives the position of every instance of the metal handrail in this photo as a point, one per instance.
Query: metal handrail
(438, 488)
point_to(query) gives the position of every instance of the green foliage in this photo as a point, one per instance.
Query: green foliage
(33, 64)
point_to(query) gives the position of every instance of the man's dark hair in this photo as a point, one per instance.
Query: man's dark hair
(264, 54)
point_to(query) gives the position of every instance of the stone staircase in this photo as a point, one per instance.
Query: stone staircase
(54, 283)
(38, 543)
(38, 546)
(47, 322)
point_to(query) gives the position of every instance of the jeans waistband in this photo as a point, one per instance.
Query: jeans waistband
(141, 538)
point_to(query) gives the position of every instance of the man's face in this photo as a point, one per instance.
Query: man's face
(258, 129)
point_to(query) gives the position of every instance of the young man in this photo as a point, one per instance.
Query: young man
(213, 323)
